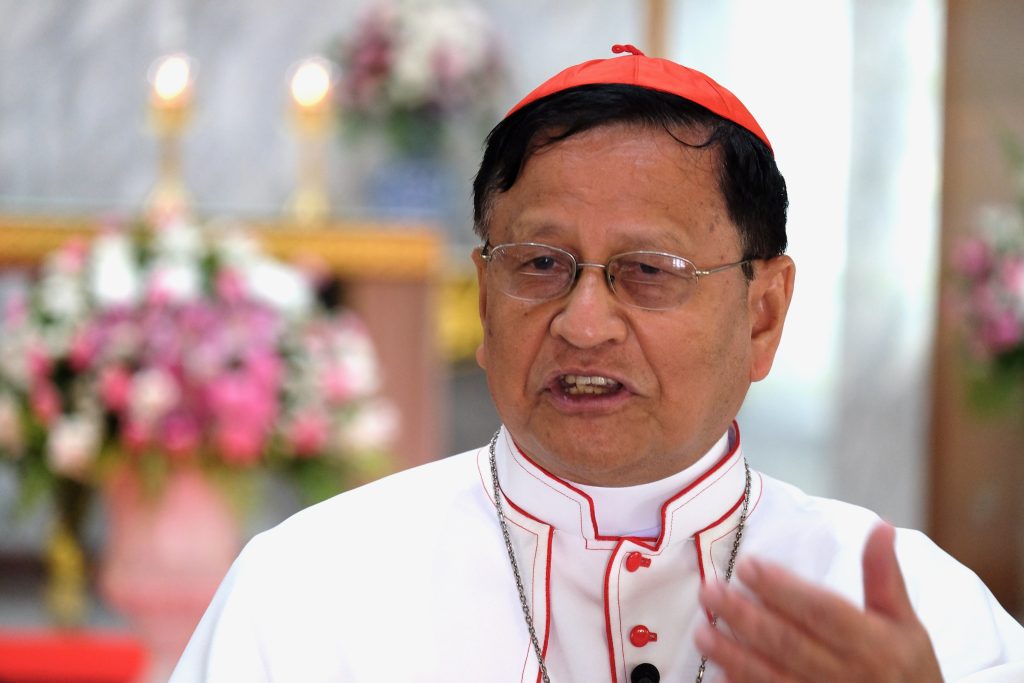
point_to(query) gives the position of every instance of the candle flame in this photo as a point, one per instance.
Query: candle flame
(172, 77)
(311, 83)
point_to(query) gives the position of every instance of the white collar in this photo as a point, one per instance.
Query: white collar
(688, 501)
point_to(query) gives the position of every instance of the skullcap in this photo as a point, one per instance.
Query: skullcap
(636, 68)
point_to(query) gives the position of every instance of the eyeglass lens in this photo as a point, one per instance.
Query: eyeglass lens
(643, 279)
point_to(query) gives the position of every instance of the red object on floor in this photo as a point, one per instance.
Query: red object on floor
(70, 656)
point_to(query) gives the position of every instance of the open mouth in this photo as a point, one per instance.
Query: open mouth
(588, 385)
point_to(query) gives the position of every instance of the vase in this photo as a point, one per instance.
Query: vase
(66, 577)
(165, 555)
(412, 188)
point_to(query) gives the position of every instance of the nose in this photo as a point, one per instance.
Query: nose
(590, 315)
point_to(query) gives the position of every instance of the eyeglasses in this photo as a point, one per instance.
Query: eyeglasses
(651, 280)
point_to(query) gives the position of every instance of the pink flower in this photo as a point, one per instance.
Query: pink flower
(72, 444)
(337, 385)
(240, 442)
(180, 434)
(83, 349)
(135, 435)
(240, 396)
(39, 362)
(230, 286)
(16, 311)
(115, 387)
(265, 368)
(1002, 332)
(1011, 271)
(972, 257)
(72, 257)
(154, 393)
(45, 401)
(308, 433)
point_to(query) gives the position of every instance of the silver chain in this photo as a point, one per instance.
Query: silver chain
(528, 617)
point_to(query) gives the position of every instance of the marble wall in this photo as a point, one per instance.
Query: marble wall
(73, 96)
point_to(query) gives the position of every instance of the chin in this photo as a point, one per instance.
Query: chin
(588, 459)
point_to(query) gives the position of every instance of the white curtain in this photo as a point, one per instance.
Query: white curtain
(849, 92)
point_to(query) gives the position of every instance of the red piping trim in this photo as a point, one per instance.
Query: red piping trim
(547, 572)
(700, 555)
(700, 568)
(608, 612)
(598, 536)
(547, 602)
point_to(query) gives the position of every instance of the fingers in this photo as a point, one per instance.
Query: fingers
(812, 608)
(787, 629)
(733, 659)
(884, 589)
(777, 644)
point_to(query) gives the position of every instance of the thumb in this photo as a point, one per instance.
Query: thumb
(884, 590)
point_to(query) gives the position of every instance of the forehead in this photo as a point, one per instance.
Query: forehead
(639, 186)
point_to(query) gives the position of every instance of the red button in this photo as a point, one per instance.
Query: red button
(641, 635)
(635, 560)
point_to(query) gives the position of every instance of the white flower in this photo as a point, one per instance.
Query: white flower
(237, 249)
(179, 239)
(72, 444)
(114, 274)
(372, 427)
(61, 296)
(175, 279)
(356, 359)
(280, 286)
(14, 345)
(154, 392)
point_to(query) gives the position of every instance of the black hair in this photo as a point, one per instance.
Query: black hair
(749, 179)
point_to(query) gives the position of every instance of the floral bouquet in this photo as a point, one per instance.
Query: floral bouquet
(990, 268)
(171, 346)
(410, 65)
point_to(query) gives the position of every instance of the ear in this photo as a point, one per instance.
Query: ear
(768, 301)
(478, 261)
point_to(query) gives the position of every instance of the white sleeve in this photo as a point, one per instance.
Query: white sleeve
(225, 646)
(969, 629)
(1006, 673)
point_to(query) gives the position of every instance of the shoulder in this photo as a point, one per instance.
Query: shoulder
(789, 521)
(823, 540)
(413, 499)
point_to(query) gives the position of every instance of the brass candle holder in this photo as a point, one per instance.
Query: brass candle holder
(170, 110)
(312, 116)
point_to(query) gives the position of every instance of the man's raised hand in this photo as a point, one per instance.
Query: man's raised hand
(793, 631)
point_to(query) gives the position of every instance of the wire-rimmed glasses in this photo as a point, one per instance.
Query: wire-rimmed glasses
(652, 280)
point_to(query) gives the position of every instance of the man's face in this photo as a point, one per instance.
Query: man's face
(682, 373)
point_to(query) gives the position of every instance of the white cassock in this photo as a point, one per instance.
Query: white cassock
(408, 578)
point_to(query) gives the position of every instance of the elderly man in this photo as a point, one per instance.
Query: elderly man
(633, 284)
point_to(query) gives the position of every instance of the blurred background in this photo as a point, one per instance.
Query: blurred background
(235, 275)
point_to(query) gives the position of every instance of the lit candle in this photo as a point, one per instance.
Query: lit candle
(311, 83)
(170, 108)
(171, 77)
(312, 116)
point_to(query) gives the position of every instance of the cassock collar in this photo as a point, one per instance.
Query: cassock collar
(693, 499)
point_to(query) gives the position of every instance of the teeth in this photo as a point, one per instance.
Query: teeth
(588, 384)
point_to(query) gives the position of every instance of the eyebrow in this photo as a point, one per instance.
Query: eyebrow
(547, 232)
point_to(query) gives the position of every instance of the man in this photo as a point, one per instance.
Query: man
(633, 284)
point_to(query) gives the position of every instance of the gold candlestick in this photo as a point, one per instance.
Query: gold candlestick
(170, 109)
(312, 116)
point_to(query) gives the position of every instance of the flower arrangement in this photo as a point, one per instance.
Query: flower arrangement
(171, 345)
(989, 265)
(410, 65)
